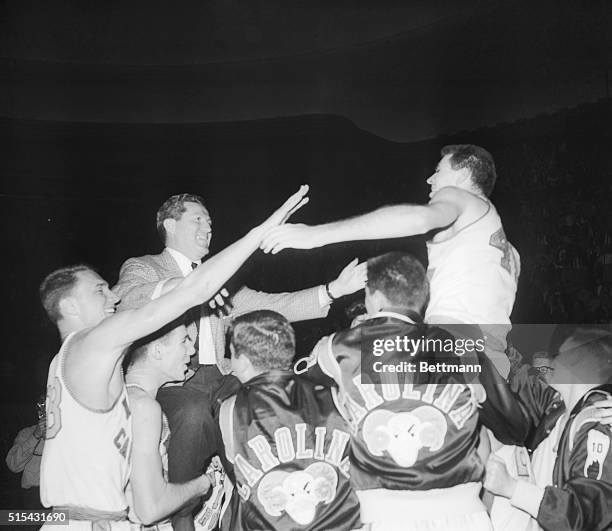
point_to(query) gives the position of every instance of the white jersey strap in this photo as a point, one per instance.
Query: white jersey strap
(226, 424)
(61, 355)
(393, 315)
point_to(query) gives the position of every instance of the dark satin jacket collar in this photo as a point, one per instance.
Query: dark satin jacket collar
(274, 376)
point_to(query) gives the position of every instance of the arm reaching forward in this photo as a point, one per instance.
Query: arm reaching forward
(154, 497)
(387, 222)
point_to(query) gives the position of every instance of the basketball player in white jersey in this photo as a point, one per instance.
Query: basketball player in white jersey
(473, 269)
(86, 460)
(152, 362)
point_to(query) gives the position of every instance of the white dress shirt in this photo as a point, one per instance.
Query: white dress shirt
(206, 344)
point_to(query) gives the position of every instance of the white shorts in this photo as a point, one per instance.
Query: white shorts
(456, 508)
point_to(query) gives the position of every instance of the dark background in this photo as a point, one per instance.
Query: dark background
(106, 109)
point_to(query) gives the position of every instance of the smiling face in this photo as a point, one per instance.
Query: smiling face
(91, 299)
(175, 348)
(191, 233)
(445, 175)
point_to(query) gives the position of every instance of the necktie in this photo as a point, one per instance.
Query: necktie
(195, 315)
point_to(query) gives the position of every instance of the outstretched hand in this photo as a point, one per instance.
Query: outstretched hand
(221, 303)
(294, 203)
(351, 279)
(290, 236)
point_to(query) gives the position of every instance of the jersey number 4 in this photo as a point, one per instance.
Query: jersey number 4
(508, 260)
(54, 415)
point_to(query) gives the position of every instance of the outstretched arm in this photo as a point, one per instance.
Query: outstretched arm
(310, 303)
(154, 497)
(387, 222)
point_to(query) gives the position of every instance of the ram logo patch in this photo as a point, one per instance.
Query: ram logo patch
(598, 445)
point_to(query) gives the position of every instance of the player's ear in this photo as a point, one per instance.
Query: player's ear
(465, 177)
(157, 351)
(236, 357)
(68, 306)
(169, 225)
(378, 300)
(239, 361)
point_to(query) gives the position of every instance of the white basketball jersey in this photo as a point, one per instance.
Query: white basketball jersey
(473, 275)
(86, 458)
(164, 442)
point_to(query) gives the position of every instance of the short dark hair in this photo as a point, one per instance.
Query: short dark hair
(478, 160)
(355, 309)
(173, 208)
(139, 348)
(401, 278)
(57, 285)
(265, 337)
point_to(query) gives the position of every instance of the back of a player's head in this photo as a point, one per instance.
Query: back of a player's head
(401, 278)
(265, 337)
(477, 160)
(584, 353)
(58, 285)
(174, 208)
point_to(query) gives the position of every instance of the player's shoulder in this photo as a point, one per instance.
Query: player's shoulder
(53, 366)
(144, 260)
(323, 342)
(142, 405)
(589, 446)
(81, 348)
(587, 421)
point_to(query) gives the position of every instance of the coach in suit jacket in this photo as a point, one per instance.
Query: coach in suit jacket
(184, 226)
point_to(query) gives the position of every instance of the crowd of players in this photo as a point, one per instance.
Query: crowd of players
(128, 445)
